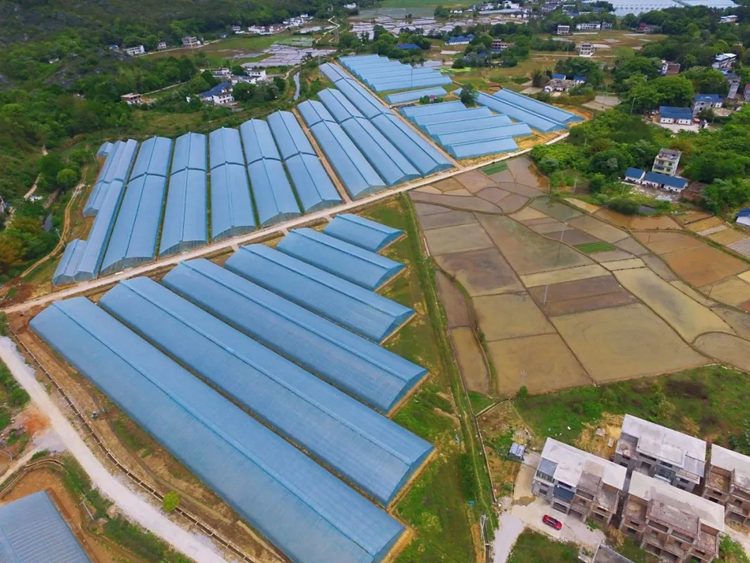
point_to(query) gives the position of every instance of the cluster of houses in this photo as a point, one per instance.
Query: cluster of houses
(663, 174)
(573, 10)
(660, 488)
(561, 83)
(222, 93)
(138, 50)
(291, 23)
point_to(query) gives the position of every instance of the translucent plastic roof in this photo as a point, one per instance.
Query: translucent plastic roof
(543, 124)
(231, 207)
(68, 266)
(350, 262)
(274, 197)
(446, 117)
(365, 102)
(491, 134)
(120, 167)
(360, 367)
(190, 152)
(414, 95)
(185, 220)
(308, 513)
(289, 136)
(365, 447)
(225, 147)
(356, 173)
(96, 244)
(469, 125)
(338, 105)
(481, 148)
(134, 235)
(408, 82)
(541, 108)
(362, 232)
(425, 157)
(153, 158)
(258, 141)
(332, 72)
(105, 149)
(312, 183)
(389, 163)
(34, 531)
(429, 109)
(313, 112)
(361, 311)
(404, 71)
(116, 168)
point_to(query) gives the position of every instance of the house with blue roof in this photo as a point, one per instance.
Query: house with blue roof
(559, 76)
(634, 175)
(579, 79)
(664, 182)
(743, 217)
(407, 46)
(219, 95)
(706, 101)
(460, 40)
(681, 116)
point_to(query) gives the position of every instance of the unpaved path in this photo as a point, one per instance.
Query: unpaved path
(131, 504)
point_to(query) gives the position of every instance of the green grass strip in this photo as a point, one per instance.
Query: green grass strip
(591, 247)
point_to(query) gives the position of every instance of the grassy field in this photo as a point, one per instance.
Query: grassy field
(710, 402)
(591, 247)
(406, 4)
(533, 547)
(437, 505)
(227, 48)
(495, 168)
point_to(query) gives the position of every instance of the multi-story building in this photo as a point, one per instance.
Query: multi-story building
(706, 101)
(728, 483)
(132, 99)
(669, 69)
(666, 162)
(733, 81)
(589, 26)
(578, 483)
(134, 51)
(161, 46)
(671, 523)
(190, 42)
(563, 30)
(586, 49)
(660, 452)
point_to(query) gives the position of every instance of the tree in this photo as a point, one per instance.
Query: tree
(707, 81)
(468, 95)
(11, 253)
(244, 92)
(726, 194)
(208, 77)
(280, 83)
(170, 502)
(67, 178)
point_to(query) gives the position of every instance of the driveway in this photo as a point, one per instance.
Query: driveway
(198, 548)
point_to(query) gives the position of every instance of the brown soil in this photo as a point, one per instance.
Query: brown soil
(528, 214)
(663, 243)
(629, 244)
(503, 176)
(475, 181)
(519, 189)
(454, 302)
(492, 194)
(448, 185)
(705, 224)
(704, 265)
(512, 203)
(481, 272)
(727, 237)
(624, 343)
(731, 291)
(465, 203)
(450, 219)
(572, 236)
(470, 360)
(461, 238)
(738, 320)
(726, 348)
(541, 363)
(566, 275)
(610, 256)
(598, 229)
(426, 209)
(656, 265)
(526, 251)
(581, 295)
(510, 316)
(550, 227)
(555, 209)
(524, 173)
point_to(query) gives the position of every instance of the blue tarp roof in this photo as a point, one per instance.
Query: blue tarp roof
(559, 76)
(359, 444)
(362, 232)
(34, 531)
(634, 173)
(308, 513)
(459, 39)
(672, 181)
(713, 98)
(333, 353)
(675, 113)
(361, 311)
(345, 260)
(407, 46)
(218, 89)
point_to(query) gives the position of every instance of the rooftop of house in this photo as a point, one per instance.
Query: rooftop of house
(680, 508)
(559, 76)
(658, 441)
(744, 212)
(669, 154)
(675, 113)
(606, 554)
(573, 466)
(713, 98)
(732, 461)
(216, 90)
(725, 57)
(634, 173)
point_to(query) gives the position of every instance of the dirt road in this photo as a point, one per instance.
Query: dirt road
(130, 503)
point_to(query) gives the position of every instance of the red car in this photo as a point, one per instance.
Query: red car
(552, 522)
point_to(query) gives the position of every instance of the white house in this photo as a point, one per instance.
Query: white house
(743, 217)
(586, 49)
(190, 42)
(724, 61)
(681, 116)
(135, 51)
(219, 95)
(563, 30)
(161, 46)
(589, 26)
(132, 99)
(706, 101)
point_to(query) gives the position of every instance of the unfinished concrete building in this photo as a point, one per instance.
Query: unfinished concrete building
(661, 452)
(671, 523)
(578, 483)
(728, 484)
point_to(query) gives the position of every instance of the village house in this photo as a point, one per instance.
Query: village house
(728, 484)
(666, 162)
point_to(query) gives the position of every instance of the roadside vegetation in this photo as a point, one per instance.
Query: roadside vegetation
(445, 503)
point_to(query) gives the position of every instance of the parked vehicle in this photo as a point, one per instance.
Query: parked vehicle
(552, 522)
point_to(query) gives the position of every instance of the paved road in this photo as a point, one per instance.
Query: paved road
(131, 504)
(276, 230)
